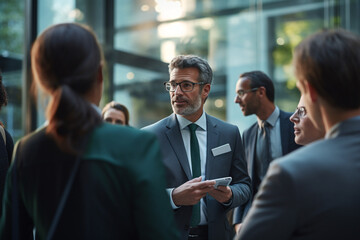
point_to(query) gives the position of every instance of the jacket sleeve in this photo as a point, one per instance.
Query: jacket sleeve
(272, 215)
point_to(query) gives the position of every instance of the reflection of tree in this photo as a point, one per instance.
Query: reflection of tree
(198, 45)
(291, 33)
(11, 26)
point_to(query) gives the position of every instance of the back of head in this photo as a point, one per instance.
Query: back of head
(330, 62)
(188, 61)
(260, 79)
(65, 62)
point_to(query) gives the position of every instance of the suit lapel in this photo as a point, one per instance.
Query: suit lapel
(177, 144)
(252, 153)
(212, 142)
(284, 133)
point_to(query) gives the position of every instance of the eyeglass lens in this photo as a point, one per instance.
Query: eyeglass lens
(185, 86)
(301, 111)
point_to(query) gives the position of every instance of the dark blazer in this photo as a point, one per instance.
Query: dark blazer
(118, 192)
(249, 140)
(311, 193)
(6, 151)
(228, 164)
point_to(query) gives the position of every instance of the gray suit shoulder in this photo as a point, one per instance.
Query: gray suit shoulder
(215, 121)
(157, 126)
(302, 158)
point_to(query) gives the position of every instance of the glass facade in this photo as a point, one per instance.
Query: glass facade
(140, 37)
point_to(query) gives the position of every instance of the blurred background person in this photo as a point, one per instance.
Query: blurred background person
(116, 113)
(114, 187)
(6, 143)
(272, 136)
(304, 129)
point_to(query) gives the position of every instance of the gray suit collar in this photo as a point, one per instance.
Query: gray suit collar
(350, 125)
(212, 142)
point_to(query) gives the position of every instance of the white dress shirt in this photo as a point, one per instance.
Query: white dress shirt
(201, 135)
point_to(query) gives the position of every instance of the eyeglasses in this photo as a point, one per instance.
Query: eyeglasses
(301, 112)
(185, 86)
(241, 92)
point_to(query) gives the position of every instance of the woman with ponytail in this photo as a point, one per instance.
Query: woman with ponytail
(78, 177)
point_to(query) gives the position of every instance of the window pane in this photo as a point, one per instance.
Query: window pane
(11, 56)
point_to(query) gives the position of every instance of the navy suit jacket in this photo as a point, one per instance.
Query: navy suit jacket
(249, 140)
(228, 164)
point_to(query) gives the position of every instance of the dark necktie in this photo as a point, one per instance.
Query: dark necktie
(263, 149)
(196, 170)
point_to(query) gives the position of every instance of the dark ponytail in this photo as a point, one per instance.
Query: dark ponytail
(66, 59)
(70, 118)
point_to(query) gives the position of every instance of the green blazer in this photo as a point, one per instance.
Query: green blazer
(118, 192)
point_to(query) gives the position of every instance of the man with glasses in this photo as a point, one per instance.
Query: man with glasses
(313, 193)
(196, 149)
(305, 131)
(272, 136)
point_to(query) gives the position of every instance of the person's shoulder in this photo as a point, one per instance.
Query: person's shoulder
(285, 115)
(161, 124)
(33, 143)
(251, 128)
(220, 123)
(119, 133)
(113, 142)
(305, 157)
(34, 138)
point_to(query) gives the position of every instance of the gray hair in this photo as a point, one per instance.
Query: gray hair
(188, 61)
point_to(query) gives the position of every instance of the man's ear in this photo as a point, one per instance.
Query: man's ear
(312, 91)
(262, 91)
(206, 90)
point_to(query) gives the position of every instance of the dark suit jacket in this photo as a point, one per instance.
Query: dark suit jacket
(118, 192)
(249, 140)
(6, 151)
(228, 164)
(311, 193)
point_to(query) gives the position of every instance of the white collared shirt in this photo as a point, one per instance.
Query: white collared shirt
(201, 135)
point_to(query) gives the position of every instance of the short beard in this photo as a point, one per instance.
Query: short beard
(191, 109)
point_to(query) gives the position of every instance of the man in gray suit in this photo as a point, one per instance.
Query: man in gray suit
(255, 95)
(313, 193)
(220, 152)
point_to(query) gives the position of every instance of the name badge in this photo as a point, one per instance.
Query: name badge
(221, 149)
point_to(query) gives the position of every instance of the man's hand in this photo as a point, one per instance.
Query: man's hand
(191, 191)
(221, 194)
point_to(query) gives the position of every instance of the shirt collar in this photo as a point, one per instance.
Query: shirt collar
(272, 118)
(183, 122)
